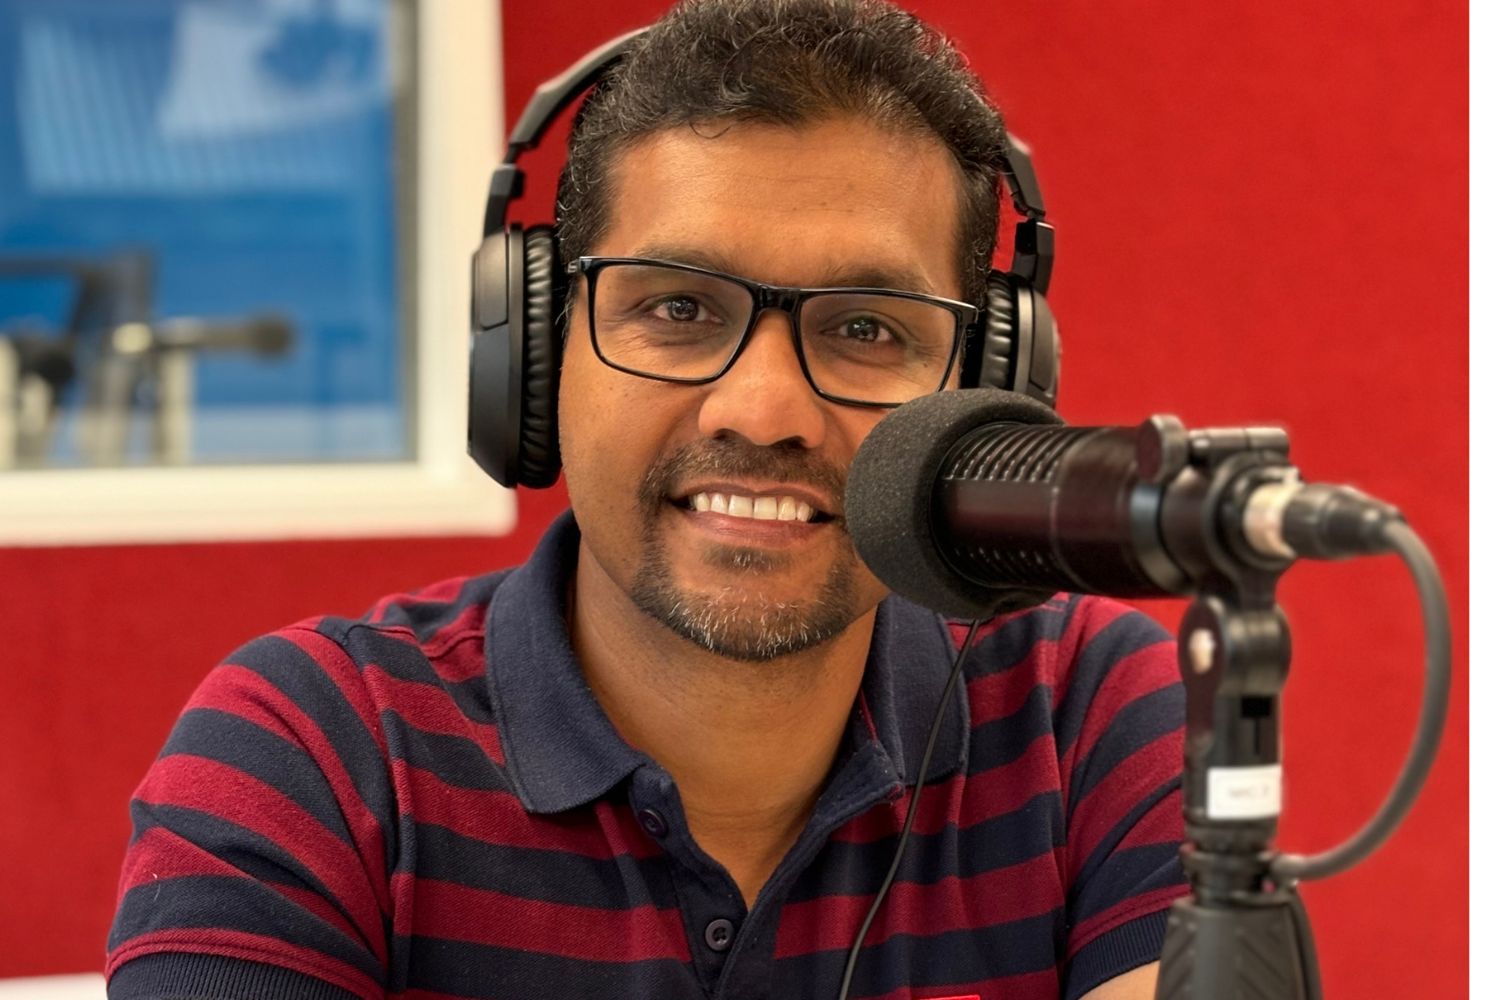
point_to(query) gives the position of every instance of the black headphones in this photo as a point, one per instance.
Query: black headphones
(519, 288)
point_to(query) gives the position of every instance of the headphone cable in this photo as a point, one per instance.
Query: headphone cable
(911, 812)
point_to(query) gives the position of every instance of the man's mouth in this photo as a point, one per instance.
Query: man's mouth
(757, 507)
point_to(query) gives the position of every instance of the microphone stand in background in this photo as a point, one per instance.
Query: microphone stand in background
(124, 359)
(161, 356)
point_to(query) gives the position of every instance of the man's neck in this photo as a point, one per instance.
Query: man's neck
(749, 744)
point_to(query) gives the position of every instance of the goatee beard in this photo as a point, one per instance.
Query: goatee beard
(741, 622)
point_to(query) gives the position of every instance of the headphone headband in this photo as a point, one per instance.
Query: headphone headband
(1020, 178)
(542, 110)
(1034, 244)
(1036, 241)
(554, 95)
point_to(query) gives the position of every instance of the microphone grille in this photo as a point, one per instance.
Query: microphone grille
(1019, 453)
(888, 502)
(1015, 562)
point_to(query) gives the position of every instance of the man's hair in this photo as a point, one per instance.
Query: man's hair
(789, 62)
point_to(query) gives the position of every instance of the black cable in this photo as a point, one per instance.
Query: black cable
(1439, 641)
(911, 813)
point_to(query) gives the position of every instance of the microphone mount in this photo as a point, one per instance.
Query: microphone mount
(1231, 515)
(1234, 653)
(1239, 933)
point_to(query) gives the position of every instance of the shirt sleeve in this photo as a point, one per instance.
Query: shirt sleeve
(1120, 739)
(257, 863)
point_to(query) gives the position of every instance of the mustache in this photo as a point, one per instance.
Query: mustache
(737, 458)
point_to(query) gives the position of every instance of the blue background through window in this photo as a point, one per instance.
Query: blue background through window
(251, 147)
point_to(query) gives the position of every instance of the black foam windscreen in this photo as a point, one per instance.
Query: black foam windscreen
(888, 501)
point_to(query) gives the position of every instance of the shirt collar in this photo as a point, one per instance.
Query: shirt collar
(561, 751)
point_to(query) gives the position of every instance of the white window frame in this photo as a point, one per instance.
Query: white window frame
(441, 491)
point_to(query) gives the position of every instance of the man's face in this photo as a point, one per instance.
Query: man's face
(842, 202)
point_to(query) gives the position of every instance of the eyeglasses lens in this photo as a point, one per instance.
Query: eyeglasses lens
(677, 324)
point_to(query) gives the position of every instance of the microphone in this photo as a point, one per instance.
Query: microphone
(977, 502)
(264, 334)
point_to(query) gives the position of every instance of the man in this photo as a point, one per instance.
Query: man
(670, 756)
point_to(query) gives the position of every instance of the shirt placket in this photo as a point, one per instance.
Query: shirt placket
(713, 912)
(733, 948)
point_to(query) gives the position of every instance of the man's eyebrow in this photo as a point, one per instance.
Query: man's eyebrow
(856, 274)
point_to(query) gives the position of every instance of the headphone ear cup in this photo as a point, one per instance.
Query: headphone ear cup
(538, 459)
(989, 361)
(493, 317)
(1039, 368)
(513, 358)
(1019, 348)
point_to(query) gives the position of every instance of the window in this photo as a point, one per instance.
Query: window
(234, 266)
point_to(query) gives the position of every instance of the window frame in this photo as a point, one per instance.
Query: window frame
(456, 84)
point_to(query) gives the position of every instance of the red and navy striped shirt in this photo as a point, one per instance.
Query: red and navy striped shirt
(428, 803)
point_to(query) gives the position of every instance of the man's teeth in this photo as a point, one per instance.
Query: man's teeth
(755, 508)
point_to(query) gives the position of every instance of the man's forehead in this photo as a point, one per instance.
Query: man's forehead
(832, 270)
(834, 202)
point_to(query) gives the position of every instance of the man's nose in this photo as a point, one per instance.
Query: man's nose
(764, 397)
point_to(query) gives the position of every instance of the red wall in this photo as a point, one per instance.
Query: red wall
(1262, 218)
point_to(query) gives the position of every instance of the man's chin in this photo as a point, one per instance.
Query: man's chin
(745, 620)
(736, 632)
(746, 562)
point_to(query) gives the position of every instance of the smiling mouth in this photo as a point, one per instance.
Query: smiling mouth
(761, 507)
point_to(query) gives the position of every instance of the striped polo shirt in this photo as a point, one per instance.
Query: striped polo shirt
(428, 802)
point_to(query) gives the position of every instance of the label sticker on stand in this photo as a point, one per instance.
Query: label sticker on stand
(1244, 792)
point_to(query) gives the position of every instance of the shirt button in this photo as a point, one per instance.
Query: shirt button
(719, 934)
(652, 822)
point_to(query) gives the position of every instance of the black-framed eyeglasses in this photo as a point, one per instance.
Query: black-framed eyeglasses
(680, 323)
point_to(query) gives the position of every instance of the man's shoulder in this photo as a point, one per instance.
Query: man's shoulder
(1053, 665)
(1061, 634)
(429, 636)
(433, 618)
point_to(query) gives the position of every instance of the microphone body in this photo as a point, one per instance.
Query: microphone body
(978, 501)
(1045, 507)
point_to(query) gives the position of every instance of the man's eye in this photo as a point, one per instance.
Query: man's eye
(679, 309)
(865, 329)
